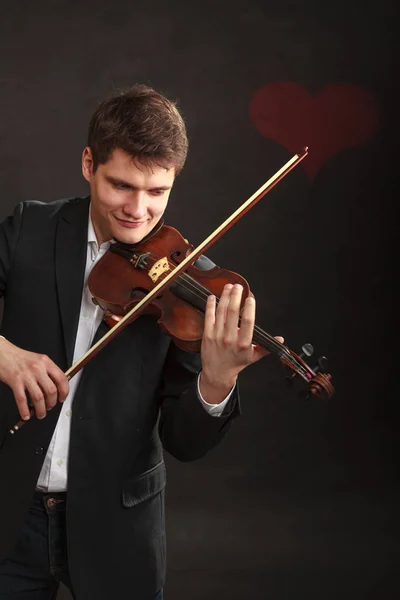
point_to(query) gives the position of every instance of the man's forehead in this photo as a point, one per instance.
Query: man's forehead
(123, 164)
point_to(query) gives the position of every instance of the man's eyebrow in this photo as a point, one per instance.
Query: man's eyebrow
(117, 180)
(123, 182)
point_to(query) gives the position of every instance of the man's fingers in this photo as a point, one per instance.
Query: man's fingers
(246, 329)
(221, 310)
(259, 352)
(233, 311)
(209, 318)
(49, 390)
(37, 398)
(60, 381)
(21, 400)
(35, 379)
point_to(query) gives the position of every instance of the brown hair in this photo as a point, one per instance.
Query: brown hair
(143, 123)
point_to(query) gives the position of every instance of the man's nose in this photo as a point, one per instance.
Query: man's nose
(136, 207)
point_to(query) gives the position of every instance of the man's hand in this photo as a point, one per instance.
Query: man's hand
(37, 374)
(226, 347)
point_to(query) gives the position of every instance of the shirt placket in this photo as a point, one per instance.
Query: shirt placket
(89, 319)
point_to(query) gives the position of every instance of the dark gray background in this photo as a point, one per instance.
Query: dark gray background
(300, 501)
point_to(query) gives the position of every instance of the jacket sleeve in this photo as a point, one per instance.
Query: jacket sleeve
(9, 234)
(186, 430)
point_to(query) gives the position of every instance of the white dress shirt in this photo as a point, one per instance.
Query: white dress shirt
(53, 476)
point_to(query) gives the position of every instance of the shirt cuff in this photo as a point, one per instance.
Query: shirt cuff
(215, 410)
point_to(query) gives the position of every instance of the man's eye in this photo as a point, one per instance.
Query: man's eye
(120, 186)
(157, 192)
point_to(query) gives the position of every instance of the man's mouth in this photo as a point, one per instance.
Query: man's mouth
(129, 224)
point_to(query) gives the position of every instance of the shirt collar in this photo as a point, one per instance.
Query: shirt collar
(91, 231)
(92, 240)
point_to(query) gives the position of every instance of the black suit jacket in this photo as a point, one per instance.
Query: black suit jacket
(135, 397)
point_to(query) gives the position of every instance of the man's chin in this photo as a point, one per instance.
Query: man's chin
(130, 237)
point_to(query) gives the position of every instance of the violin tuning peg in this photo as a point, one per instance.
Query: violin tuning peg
(322, 365)
(289, 379)
(306, 350)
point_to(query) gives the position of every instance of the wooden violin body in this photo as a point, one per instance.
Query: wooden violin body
(126, 274)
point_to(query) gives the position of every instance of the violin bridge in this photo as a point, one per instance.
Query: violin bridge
(158, 269)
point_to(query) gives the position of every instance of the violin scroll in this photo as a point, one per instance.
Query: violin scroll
(318, 380)
(321, 386)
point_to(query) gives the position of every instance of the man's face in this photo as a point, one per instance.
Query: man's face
(127, 197)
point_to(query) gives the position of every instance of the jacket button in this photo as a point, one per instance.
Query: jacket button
(39, 450)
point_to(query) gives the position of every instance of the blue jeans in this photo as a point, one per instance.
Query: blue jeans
(39, 562)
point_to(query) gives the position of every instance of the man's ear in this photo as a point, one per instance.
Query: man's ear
(87, 163)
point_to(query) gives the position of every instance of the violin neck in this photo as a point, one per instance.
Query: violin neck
(190, 290)
(267, 341)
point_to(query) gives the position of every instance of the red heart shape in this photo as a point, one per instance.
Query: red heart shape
(339, 116)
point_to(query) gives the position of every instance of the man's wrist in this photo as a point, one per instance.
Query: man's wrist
(215, 390)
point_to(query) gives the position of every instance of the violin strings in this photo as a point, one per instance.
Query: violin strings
(260, 336)
(203, 293)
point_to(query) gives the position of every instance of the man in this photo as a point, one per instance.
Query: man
(82, 498)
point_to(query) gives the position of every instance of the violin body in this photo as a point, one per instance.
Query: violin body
(120, 280)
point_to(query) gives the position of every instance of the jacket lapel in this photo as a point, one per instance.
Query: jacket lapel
(70, 262)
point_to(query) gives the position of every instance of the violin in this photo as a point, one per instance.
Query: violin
(157, 276)
(126, 274)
